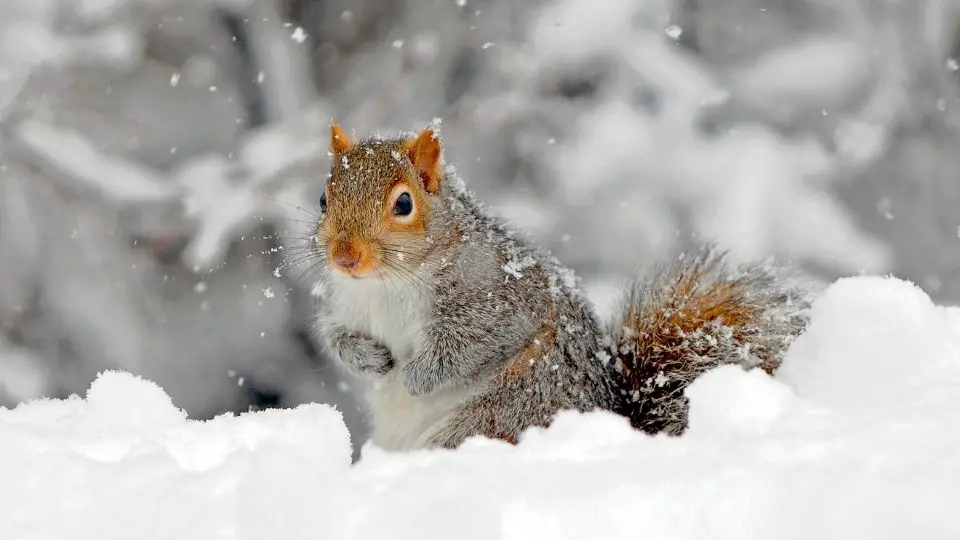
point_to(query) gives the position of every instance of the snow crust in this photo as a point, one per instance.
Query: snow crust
(856, 437)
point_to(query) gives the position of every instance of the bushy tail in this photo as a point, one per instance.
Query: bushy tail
(693, 315)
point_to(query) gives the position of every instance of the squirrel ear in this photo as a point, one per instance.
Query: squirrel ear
(339, 141)
(424, 153)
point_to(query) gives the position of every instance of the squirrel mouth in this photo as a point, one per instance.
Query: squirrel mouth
(351, 272)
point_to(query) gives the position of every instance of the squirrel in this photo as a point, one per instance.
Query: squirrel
(467, 328)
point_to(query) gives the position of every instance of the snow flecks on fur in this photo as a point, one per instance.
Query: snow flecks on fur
(562, 279)
(692, 316)
(515, 267)
(522, 254)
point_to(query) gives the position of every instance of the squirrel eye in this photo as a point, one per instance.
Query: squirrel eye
(323, 202)
(404, 205)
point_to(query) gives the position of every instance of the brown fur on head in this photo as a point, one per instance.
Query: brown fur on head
(365, 227)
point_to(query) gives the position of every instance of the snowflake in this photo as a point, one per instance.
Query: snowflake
(299, 35)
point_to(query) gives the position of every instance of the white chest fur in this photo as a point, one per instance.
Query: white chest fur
(395, 315)
(392, 313)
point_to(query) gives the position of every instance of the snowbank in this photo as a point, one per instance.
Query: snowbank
(857, 437)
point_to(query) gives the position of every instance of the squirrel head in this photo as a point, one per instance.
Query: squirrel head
(376, 204)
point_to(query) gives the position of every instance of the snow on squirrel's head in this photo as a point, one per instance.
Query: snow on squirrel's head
(374, 218)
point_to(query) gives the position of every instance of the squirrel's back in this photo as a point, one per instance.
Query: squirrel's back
(558, 363)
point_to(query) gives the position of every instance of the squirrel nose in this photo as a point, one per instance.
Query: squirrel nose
(346, 259)
(350, 256)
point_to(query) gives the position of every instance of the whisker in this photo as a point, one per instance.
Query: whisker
(307, 221)
(319, 268)
(297, 237)
(385, 277)
(299, 244)
(310, 213)
(294, 250)
(416, 252)
(399, 247)
(294, 263)
(402, 254)
(402, 275)
(409, 277)
(297, 241)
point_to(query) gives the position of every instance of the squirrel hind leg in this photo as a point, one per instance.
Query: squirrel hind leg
(535, 383)
(498, 415)
(691, 316)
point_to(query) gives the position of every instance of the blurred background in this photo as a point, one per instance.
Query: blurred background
(160, 158)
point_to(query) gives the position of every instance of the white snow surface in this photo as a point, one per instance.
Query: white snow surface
(856, 437)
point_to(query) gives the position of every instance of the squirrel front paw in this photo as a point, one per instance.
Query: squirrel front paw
(363, 356)
(423, 374)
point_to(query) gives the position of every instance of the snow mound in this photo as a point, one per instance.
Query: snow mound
(875, 342)
(857, 437)
(126, 463)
